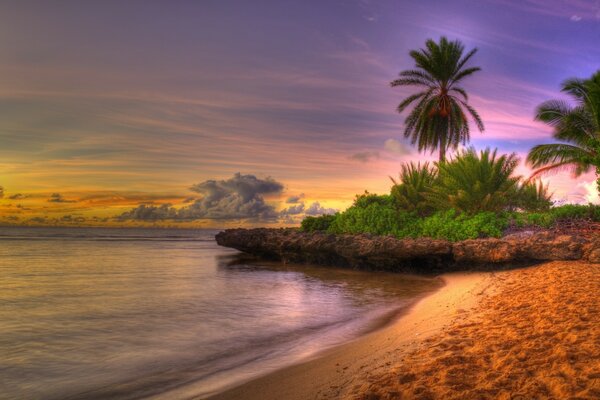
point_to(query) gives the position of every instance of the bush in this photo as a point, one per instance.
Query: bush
(366, 199)
(322, 223)
(381, 219)
(453, 226)
(576, 211)
(376, 217)
(557, 214)
(543, 220)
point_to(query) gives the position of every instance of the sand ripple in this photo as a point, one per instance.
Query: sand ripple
(535, 336)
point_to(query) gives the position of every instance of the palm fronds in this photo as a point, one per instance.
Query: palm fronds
(438, 119)
(472, 182)
(577, 128)
(410, 192)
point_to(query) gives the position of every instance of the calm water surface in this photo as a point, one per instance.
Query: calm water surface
(167, 314)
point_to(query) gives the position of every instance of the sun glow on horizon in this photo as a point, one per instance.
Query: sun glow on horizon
(96, 124)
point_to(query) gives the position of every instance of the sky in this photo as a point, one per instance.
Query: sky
(234, 113)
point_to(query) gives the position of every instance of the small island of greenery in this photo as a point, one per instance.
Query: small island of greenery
(474, 194)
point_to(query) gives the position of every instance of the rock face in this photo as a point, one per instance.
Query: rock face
(388, 253)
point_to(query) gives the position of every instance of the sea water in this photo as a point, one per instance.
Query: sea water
(94, 313)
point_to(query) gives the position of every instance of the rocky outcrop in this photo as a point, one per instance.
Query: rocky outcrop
(388, 253)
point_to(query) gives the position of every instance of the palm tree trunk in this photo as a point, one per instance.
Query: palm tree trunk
(442, 149)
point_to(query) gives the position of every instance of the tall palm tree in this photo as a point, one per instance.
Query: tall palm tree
(578, 127)
(438, 121)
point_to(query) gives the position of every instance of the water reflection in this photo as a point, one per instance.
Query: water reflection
(132, 313)
(361, 286)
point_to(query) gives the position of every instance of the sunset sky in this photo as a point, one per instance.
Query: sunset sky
(221, 113)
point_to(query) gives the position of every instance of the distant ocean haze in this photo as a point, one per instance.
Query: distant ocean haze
(166, 313)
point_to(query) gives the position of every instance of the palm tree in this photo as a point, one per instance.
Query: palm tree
(438, 120)
(416, 181)
(578, 127)
(473, 182)
(533, 196)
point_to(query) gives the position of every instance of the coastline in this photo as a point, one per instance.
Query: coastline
(534, 336)
(338, 368)
(514, 334)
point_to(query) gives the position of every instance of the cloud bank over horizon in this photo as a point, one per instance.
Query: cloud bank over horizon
(241, 197)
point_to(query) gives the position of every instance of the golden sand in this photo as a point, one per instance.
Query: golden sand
(536, 335)
(331, 373)
(531, 333)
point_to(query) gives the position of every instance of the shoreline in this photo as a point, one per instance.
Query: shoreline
(326, 374)
(535, 335)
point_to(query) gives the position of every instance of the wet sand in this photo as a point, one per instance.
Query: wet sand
(519, 334)
(335, 371)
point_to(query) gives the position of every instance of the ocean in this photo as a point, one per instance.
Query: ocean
(95, 313)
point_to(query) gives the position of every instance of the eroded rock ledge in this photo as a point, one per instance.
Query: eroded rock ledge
(366, 251)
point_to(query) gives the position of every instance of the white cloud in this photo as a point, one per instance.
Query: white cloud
(316, 209)
(396, 147)
(585, 192)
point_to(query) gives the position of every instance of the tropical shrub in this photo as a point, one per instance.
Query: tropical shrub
(474, 182)
(410, 193)
(382, 219)
(376, 218)
(453, 226)
(366, 199)
(547, 219)
(576, 211)
(321, 223)
(533, 196)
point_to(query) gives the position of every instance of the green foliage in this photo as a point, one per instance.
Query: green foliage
(576, 127)
(576, 211)
(473, 195)
(438, 119)
(384, 219)
(370, 214)
(366, 199)
(533, 196)
(553, 215)
(410, 193)
(321, 223)
(453, 226)
(472, 182)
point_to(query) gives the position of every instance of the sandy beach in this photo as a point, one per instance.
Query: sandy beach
(525, 333)
(336, 370)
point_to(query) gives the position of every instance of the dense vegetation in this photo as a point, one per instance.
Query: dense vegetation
(473, 194)
(384, 219)
(470, 196)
